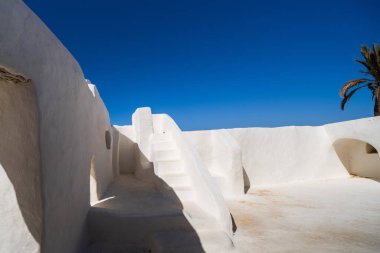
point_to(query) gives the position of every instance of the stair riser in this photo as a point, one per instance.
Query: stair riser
(164, 145)
(167, 155)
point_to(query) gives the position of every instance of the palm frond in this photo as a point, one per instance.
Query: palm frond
(365, 52)
(363, 63)
(349, 95)
(376, 50)
(351, 84)
(371, 87)
(373, 64)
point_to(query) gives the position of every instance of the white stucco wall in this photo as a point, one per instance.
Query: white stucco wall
(275, 155)
(296, 153)
(72, 124)
(128, 150)
(222, 156)
(287, 154)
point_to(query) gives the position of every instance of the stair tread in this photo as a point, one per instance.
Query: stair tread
(174, 174)
(183, 188)
(174, 150)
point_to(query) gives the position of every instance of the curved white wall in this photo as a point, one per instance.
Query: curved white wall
(350, 139)
(354, 156)
(72, 125)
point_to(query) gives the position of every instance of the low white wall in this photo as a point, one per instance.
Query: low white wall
(72, 125)
(287, 154)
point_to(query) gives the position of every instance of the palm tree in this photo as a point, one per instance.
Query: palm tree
(372, 64)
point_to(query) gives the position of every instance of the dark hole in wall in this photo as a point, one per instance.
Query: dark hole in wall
(371, 149)
(108, 139)
(247, 182)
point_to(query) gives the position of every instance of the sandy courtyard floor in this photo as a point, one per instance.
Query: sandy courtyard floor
(336, 215)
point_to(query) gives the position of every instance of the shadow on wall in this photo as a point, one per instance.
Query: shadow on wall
(137, 215)
(130, 158)
(95, 192)
(128, 155)
(360, 158)
(20, 160)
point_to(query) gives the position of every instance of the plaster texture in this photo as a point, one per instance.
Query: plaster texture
(72, 125)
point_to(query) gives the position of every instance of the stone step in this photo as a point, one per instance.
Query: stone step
(168, 167)
(184, 193)
(175, 179)
(167, 155)
(212, 241)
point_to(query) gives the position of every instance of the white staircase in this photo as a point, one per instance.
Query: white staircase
(169, 167)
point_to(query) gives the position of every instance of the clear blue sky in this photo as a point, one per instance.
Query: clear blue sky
(220, 64)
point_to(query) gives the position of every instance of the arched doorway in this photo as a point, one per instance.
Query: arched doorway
(360, 158)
